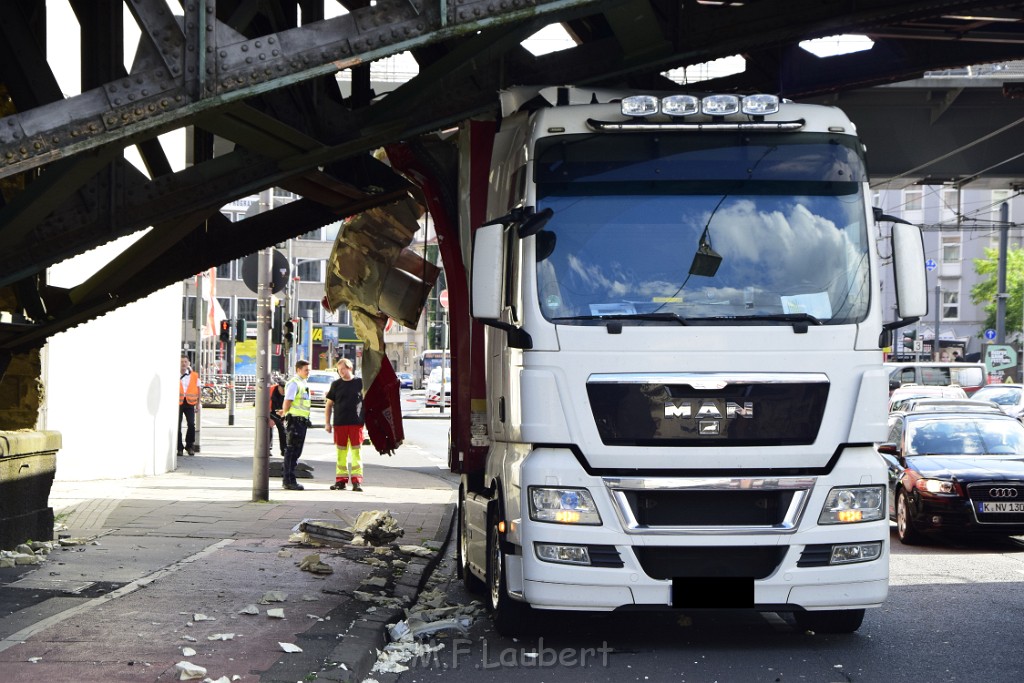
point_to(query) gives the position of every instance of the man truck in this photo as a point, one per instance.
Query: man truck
(671, 381)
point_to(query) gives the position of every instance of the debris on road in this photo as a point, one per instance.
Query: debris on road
(252, 610)
(313, 564)
(221, 636)
(276, 613)
(289, 647)
(417, 550)
(273, 596)
(372, 527)
(189, 671)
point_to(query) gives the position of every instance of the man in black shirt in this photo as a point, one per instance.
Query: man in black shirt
(345, 401)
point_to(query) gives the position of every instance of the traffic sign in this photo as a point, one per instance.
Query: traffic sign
(990, 334)
(930, 264)
(442, 299)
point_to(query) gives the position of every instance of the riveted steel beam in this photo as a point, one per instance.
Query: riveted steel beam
(158, 97)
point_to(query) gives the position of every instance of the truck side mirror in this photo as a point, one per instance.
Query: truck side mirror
(488, 266)
(487, 279)
(908, 267)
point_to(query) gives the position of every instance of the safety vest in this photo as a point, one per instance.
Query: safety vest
(300, 404)
(192, 394)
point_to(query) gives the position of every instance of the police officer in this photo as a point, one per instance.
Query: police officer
(296, 421)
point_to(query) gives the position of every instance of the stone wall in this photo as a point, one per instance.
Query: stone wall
(28, 461)
(21, 392)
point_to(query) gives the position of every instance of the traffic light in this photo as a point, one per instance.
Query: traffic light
(225, 331)
(241, 330)
(277, 329)
(289, 333)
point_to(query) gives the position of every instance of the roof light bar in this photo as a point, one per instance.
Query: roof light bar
(639, 105)
(680, 105)
(720, 105)
(711, 105)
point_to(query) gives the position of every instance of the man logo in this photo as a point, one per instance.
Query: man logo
(709, 409)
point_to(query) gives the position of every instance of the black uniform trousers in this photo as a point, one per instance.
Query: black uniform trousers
(295, 433)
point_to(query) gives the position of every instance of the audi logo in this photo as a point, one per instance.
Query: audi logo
(1002, 493)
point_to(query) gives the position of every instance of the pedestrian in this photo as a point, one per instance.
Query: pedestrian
(295, 411)
(274, 419)
(345, 401)
(188, 399)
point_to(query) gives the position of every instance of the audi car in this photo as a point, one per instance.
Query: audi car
(954, 473)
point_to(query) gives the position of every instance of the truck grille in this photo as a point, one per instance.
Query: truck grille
(716, 504)
(670, 562)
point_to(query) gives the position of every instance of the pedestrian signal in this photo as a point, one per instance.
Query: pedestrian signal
(225, 331)
(277, 329)
(241, 330)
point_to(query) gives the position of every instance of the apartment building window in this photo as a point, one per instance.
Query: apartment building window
(951, 304)
(224, 271)
(313, 307)
(951, 252)
(913, 200)
(950, 205)
(225, 305)
(310, 271)
(188, 308)
(246, 309)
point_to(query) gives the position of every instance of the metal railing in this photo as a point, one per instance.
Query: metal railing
(217, 388)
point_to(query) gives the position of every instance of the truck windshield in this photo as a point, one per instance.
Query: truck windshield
(785, 213)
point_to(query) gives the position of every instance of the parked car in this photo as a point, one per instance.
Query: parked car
(433, 392)
(963, 405)
(319, 381)
(970, 376)
(954, 473)
(405, 380)
(1009, 397)
(909, 392)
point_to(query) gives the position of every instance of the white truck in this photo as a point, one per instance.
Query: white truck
(681, 357)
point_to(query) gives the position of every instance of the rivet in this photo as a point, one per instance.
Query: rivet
(262, 56)
(248, 60)
(117, 100)
(93, 127)
(276, 53)
(245, 48)
(258, 44)
(223, 53)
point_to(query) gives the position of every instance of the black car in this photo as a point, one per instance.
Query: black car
(955, 473)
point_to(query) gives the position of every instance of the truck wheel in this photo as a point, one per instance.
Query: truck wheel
(511, 617)
(905, 529)
(469, 579)
(830, 620)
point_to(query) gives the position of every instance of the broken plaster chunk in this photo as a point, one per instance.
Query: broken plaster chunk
(188, 652)
(189, 671)
(202, 617)
(284, 553)
(290, 647)
(222, 679)
(299, 537)
(250, 609)
(34, 660)
(273, 596)
(375, 581)
(312, 563)
(189, 639)
(417, 550)
(22, 559)
(221, 636)
(276, 613)
(310, 598)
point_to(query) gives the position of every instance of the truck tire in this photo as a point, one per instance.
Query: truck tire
(511, 618)
(472, 583)
(905, 529)
(830, 621)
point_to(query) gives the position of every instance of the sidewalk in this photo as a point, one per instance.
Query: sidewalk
(170, 548)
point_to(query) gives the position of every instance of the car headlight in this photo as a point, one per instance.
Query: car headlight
(563, 506)
(851, 504)
(935, 486)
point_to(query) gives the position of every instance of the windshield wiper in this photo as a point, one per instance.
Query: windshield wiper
(800, 320)
(670, 317)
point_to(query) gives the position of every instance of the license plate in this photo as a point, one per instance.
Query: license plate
(717, 592)
(1000, 507)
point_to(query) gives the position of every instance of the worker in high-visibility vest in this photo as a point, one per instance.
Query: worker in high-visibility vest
(188, 399)
(296, 421)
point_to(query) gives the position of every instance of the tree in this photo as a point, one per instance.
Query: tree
(984, 292)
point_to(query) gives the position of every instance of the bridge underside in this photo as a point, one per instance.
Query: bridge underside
(255, 84)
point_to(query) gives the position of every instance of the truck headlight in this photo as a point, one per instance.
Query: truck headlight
(851, 504)
(562, 506)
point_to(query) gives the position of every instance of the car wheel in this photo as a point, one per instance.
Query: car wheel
(511, 617)
(830, 620)
(469, 579)
(905, 529)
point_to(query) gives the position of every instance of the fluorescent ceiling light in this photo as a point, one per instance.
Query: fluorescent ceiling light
(706, 71)
(837, 45)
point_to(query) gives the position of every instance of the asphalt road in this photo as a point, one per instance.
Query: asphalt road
(953, 614)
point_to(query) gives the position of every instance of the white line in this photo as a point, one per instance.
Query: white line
(24, 634)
